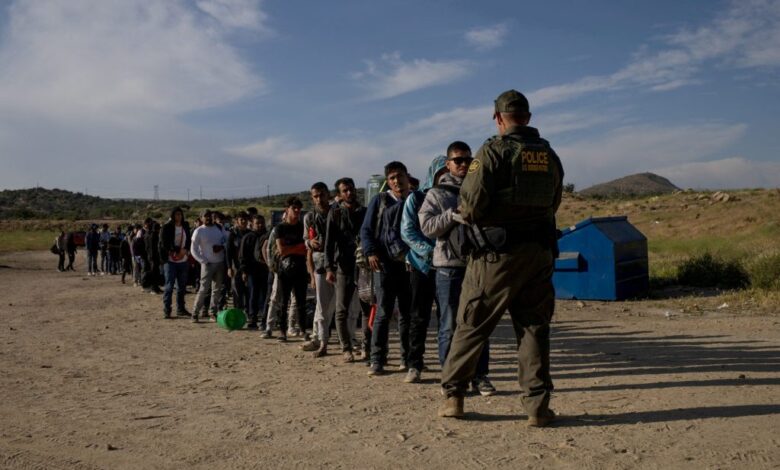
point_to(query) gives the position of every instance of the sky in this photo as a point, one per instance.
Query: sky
(235, 98)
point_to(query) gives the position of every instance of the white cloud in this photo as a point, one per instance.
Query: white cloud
(392, 76)
(488, 37)
(121, 61)
(635, 149)
(728, 173)
(745, 35)
(236, 13)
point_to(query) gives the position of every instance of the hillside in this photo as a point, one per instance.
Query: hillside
(41, 203)
(640, 184)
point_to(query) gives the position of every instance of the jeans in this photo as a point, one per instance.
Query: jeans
(291, 283)
(240, 292)
(61, 263)
(389, 285)
(345, 300)
(211, 279)
(423, 290)
(323, 315)
(105, 260)
(92, 261)
(175, 273)
(257, 286)
(449, 282)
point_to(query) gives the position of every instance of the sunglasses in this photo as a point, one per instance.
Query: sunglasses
(461, 160)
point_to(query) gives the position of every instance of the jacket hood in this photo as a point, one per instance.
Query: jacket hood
(436, 165)
(451, 180)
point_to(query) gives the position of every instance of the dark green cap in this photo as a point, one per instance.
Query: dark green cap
(511, 101)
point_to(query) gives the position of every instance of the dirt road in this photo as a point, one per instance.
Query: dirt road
(93, 377)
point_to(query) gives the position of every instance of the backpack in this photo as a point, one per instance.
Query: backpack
(389, 228)
(273, 254)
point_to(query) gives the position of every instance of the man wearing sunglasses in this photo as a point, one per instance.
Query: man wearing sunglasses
(512, 190)
(438, 217)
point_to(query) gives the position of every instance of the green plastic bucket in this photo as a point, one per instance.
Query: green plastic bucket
(231, 319)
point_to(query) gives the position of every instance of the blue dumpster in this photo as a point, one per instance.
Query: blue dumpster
(603, 258)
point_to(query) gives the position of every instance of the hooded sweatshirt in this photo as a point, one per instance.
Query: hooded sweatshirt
(421, 248)
(436, 219)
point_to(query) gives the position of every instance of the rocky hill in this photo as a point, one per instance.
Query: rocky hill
(641, 184)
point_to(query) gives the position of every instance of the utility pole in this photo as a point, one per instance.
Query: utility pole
(188, 194)
(201, 192)
(268, 190)
(156, 192)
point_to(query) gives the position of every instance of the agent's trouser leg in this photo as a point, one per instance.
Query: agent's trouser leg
(520, 281)
(323, 315)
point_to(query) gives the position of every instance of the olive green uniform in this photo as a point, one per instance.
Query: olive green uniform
(514, 182)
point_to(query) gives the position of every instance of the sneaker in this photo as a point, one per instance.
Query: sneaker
(282, 339)
(195, 318)
(182, 312)
(542, 421)
(483, 386)
(376, 369)
(452, 407)
(252, 327)
(347, 357)
(402, 366)
(312, 345)
(166, 314)
(267, 334)
(412, 377)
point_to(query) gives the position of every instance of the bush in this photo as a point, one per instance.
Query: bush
(765, 272)
(707, 270)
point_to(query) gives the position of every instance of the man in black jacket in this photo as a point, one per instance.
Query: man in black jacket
(342, 240)
(254, 271)
(240, 293)
(173, 249)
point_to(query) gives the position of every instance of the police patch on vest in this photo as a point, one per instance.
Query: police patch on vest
(535, 160)
(474, 166)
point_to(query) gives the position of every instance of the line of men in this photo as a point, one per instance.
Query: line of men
(477, 238)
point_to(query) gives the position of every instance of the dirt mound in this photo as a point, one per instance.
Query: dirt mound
(641, 184)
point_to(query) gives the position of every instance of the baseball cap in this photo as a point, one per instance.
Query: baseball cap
(511, 101)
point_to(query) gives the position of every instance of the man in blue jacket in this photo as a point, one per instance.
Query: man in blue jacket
(391, 279)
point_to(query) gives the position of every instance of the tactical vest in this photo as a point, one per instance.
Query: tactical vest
(533, 179)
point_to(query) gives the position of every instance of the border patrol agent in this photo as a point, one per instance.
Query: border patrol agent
(510, 196)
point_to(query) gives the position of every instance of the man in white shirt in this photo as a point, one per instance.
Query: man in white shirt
(208, 248)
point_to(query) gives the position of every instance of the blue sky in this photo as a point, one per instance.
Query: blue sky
(233, 96)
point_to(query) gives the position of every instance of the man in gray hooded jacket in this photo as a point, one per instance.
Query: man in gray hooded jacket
(438, 217)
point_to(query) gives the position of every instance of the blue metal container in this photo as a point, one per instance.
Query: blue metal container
(602, 258)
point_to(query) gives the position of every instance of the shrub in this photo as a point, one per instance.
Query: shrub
(707, 270)
(765, 272)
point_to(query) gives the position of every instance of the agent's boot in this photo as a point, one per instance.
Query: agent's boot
(541, 421)
(452, 407)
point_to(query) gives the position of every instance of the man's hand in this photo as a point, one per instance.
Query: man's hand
(458, 218)
(312, 282)
(315, 244)
(330, 276)
(230, 272)
(374, 264)
(244, 277)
